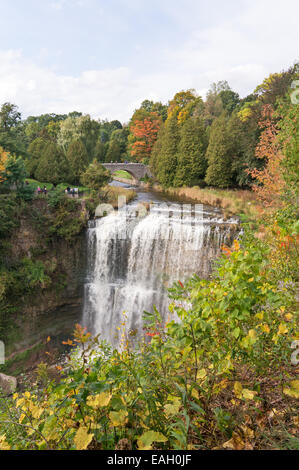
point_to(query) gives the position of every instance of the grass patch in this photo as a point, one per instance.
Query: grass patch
(34, 184)
(122, 174)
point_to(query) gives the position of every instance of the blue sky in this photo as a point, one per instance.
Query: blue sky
(105, 57)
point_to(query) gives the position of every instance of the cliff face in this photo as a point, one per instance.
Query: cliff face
(54, 306)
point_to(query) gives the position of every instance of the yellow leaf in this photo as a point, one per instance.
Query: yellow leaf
(145, 441)
(118, 418)
(171, 409)
(22, 418)
(27, 394)
(4, 444)
(248, 394)
(20, 402)
(275, 338)
(235, 443)
(82, 439)
(293, 389)
(282, 329)
(201, 374)
(252, 334)
(36, 412)
(238, 389)
(100, 400)
(248, 432)
(265, 328)
(260, 315)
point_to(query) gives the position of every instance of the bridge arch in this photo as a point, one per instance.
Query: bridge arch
(136, 170)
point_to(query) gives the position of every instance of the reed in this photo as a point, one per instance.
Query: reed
(114, 192)
(234, 202)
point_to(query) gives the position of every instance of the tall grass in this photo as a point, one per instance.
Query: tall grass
(235, 202)
(114, 192)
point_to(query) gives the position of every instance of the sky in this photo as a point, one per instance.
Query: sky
(104, 57)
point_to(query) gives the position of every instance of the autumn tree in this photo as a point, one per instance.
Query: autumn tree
(185, 104)
(3, 159)
(143, 136)
(14, 173)
(276, 85)
(270, 183)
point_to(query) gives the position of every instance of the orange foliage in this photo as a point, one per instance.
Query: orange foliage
(145, 132)
(270, 182)
(3, 158)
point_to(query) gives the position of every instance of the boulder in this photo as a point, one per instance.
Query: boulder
(8, 384)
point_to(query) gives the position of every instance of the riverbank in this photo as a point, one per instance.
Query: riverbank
(232, 202)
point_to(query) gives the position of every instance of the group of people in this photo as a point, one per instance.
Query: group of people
(42, 190)
(72, 191)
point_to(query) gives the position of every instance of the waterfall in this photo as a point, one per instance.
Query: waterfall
(133, 258)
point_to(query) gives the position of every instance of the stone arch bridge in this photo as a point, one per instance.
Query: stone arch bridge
(137, 170)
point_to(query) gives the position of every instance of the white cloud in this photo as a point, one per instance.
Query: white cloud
(242, 49)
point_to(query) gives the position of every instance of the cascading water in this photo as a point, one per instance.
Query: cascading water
(132, 259)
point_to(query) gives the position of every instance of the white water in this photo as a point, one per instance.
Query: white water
(132, 260)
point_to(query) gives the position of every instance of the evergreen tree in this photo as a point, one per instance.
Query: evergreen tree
(243, 141)
(192, 164)
(35, 150)
(53, 165)
(156, 152)
(77, 159)
(100, 151)
(114, 152)
(219, 172)
(167, 163)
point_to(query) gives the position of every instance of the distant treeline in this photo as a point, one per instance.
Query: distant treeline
(187, 142)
